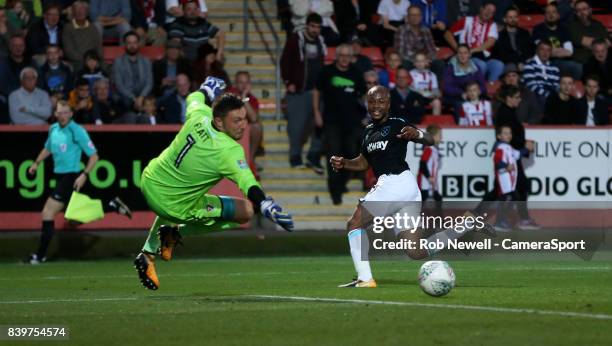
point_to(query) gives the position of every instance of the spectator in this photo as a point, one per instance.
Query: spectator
(479, 33)
(412, 38)
(29, 105)
(514, 44)
(174, 9)
(111, 17)
(362, 62)
(92, 69)
(18, 17)
(475, 111)
(434, 17)
(386, 76)
(5, 34)
(242, 87)
(148, 20)
(340, 87)
(56, 77)
(456, 9)
(132, 73)
(208, 65)
(195, 31)
(10, 69)
(300, 9)
(562, 47)
(592, 107)
(405, 103)
(425, 83)
(81, 102)
(353, 20)
(539, 75)
(392, 15)
(600, 64)
(562, 108)
(584, 30)
(148, 115)
(371, 79)
(166, 69)
(106, 109)
(460, 71)
(528, 110)
(44, 32)
(172, 108)
(301, 62)
(80, 36)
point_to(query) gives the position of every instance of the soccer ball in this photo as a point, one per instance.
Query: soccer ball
(436, 278)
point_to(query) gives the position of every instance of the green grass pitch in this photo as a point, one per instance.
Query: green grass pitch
(287, 301)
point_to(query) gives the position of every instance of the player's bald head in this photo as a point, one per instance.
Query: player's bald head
(379, 101)
(378, 91)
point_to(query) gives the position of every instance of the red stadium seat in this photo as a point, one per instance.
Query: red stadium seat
(528, 21)
(438, 119)
(492, 88)
(605, 19)
(578, 89)
(444, 53)
(151, 52)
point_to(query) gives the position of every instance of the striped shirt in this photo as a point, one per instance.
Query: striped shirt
(476, 114)
(539, 77)
(474, 33)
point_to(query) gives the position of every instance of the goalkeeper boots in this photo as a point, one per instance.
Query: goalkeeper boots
(145, 265)
(117, 205)
(356, 283)
(169, 237)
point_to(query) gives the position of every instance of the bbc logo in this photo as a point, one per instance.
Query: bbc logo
(459, 186)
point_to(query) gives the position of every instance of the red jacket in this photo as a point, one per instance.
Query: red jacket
(292, 60)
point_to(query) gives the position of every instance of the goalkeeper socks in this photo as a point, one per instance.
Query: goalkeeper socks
(45, 238)
(152, 244)
(358, 242)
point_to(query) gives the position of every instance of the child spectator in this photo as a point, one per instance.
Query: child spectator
(56, 76)
(92, 69)
(80, 101)
(149, 112)
(429, 166)
(425, 83)
(475, 111)
(505, 166)
(387, 76)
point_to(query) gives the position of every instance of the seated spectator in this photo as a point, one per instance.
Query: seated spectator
(56, 76)
(584, 29)
(165, 70)
(405, 103)
(44, 32)
(195, 31)
(362, 62)
(539, 75)
(92, 69)
(561, 107)
(29, 105)
(592, 107)
(434, 17)
(80, 36)
(475, 111)
(353, 20)
(18, 16)
(5, 34)
(148, 20)
(174, 9)
(10, 69)
(514, 44)
(412, 38)
(206, 65)
(132, 74)
(172, 108)
(148, 115)
(562, 48)
(105, 109)
(392, 15)
(425, 83)
(371, 79)
(111, 17)
(600, 64)
(479, 33)
(393, 61)
(528, 110)
(300, 9)
(460, 71)
(81, 102)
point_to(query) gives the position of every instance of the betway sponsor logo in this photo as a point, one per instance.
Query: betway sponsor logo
(380, 145)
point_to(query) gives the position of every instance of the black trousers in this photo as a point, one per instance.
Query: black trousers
(340, 140)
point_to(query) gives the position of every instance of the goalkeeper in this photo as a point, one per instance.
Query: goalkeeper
(175, 184)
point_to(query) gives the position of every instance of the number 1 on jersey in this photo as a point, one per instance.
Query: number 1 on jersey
(181, 155)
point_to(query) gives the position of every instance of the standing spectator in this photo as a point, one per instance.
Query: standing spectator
(111, 17)
(242, 87)
(353, 20)
(165, 70)
(562, 47)
(56, 76)
(81, 102)
(460, 71)
(301, 62)
(600, 64)
(148, 116)
(174, 9)
(392, 15)
(172, 108)
(300, 9)
(475, 111)
(386, 76)
(479, 33)
(405, 103)
(148, 20)
(29, 105)
(80, 36)
(434, 17)
(92, 69)
(592, 107)
(362, 62)
(562, 108)
(10, 69)
(425, 83)
(340, 87)
(106, 109)
(456, 9)
(195, 31)
(584, 30)
(132, 73)
(44, 32)
(539, 75)
(528, 110)
(514, 44)
(412, 38)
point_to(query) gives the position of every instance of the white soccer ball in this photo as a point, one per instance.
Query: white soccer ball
(436, 278)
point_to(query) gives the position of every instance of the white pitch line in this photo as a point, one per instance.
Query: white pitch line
(440, 306)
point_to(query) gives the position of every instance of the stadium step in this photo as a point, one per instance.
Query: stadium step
(314, 198)
(318, 184)
(237, 24)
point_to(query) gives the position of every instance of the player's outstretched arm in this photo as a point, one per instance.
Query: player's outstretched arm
(357, 164)
(413, 134)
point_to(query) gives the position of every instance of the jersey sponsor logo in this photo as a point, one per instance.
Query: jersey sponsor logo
(242, 164)
(380, 145)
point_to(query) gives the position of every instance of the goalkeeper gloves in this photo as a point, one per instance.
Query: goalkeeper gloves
(274, 212)
(212, 88)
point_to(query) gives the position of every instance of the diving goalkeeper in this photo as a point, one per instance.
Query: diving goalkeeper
(175, 184)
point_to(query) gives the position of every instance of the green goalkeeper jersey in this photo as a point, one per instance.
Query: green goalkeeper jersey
(196, 160)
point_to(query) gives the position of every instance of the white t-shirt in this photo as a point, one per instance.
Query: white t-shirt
(590, 118)
(393, 11)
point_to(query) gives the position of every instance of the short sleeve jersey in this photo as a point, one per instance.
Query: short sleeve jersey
(66, 145)
(385, 153)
